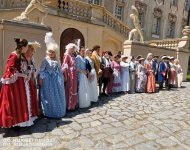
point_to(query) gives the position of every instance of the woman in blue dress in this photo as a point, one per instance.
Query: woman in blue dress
(52, 92)
(83, 87)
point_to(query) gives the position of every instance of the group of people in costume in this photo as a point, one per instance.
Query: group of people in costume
(82, 78)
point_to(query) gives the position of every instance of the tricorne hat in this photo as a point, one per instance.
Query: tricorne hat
(155, 56)
(110, 53)
(138, 57)
(165, 57)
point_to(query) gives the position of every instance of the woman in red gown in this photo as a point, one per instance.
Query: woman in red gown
(70, 76)
(31, 69)
(151, 84)
(13, 95)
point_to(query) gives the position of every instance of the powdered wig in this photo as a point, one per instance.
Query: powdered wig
(68, 47)
(149, 54)
(176, 61)
(52, 45)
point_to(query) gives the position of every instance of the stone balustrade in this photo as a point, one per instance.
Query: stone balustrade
(97, 13)
(170, 43)
(115, 23)
(75, 8)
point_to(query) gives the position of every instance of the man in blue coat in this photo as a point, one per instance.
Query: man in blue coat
(162, 71)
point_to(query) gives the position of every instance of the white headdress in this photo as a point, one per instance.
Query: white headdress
(52, 45)
(68, 47)
(77, 46)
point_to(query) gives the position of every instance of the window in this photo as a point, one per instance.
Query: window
(119, 12)
(186, 5)
(141, 16)
(174, 2)
(171, 29)
(156, 25)
(97, 2)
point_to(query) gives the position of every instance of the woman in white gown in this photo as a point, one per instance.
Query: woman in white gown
(125, 79)
(83, 86)
(179, 73)
(92, 79)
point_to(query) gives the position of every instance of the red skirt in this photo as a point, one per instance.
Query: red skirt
(33, 99)
(150, 85)
(13, 103)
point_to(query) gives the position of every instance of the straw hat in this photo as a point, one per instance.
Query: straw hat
(35, 44)
(124, 56)
(140, 59)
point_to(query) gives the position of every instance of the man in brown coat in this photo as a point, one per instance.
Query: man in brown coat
(97, 64)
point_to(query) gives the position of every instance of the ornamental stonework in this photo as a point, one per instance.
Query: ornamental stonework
(172, 18)
(157, 12)
(141, 7)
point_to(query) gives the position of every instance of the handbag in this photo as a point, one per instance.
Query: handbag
(111, 70)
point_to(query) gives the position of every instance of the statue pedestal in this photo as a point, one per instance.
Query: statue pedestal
(132, 48)
(21, 29)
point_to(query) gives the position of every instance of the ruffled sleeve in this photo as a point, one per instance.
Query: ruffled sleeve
(65, 62)
(42, 68)
(11, 72)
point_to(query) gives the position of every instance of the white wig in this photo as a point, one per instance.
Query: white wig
(149, 54)
(68, 47)
(52, 45)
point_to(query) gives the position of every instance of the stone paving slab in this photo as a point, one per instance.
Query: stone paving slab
(158, 121)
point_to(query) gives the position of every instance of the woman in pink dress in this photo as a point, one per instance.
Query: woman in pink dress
(70, 76)
(150, 85)
(115, 65)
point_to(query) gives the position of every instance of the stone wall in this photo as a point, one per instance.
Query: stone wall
(32, 32)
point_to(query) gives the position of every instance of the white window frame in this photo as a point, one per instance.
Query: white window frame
(171, 29)
(119, 13)
(186, 4)
(141, 19)
(156, 25)
(174, 2)
(96, 2)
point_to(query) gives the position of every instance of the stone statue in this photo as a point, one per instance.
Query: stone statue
(137, 29)
(33, 4)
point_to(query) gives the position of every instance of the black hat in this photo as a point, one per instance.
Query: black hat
(155, 56)
(109, 53)
(162, 56)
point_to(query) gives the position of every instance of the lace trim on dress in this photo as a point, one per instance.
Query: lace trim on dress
(10, 80)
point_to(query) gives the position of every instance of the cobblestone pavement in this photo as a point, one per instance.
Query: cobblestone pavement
(127, 122)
